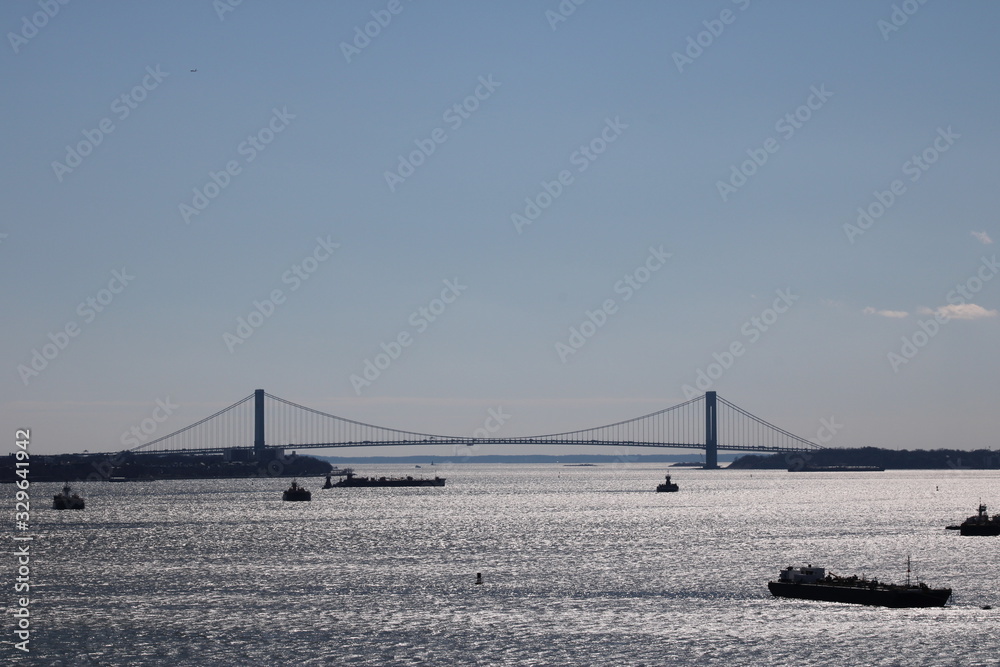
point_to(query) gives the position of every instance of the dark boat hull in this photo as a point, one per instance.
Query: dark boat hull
(60, 503)
(837, 469)
(663, 488)
(388, 481)
(296, 496)
(879, 597)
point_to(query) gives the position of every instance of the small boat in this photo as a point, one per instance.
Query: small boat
(813, 583)
(980, 524)
(296, 492)
(667, 486)
(328, 484)
(66, 500)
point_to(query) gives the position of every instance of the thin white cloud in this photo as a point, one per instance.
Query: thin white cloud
(983, 237)
(961, 311)
(885, 313)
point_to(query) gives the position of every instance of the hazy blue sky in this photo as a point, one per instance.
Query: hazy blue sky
(717, 151)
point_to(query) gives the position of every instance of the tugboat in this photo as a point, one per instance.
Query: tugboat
(981, 524)
(813, 583)
(352, 480)
(65, 501)
(296, 492)
(667, 486)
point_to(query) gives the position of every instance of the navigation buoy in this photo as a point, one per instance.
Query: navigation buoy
(479, 578)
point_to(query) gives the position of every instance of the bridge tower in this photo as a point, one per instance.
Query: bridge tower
(259, 447)
(711, 432)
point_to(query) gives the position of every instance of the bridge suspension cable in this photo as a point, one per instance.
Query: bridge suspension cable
(680, 424)
(738, 428)
(231, 426)
(306, 425)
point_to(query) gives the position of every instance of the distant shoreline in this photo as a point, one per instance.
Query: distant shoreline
(126, 467)
(888, 459)
(112, 467)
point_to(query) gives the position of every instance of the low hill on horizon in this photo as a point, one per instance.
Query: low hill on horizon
(890, 459)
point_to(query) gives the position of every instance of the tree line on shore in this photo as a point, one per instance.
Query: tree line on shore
(927, 459)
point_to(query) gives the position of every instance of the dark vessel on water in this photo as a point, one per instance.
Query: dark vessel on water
(980, 524)
(350, 479)
(667, 486)
(809, 468)
(296, 492)
(336, 472)
(813, 583)
(67, 501)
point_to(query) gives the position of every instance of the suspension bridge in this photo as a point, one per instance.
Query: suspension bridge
(261, 426)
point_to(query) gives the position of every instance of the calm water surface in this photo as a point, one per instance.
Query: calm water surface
(582, 566)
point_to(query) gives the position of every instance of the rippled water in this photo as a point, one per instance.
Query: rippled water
(582, 566)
